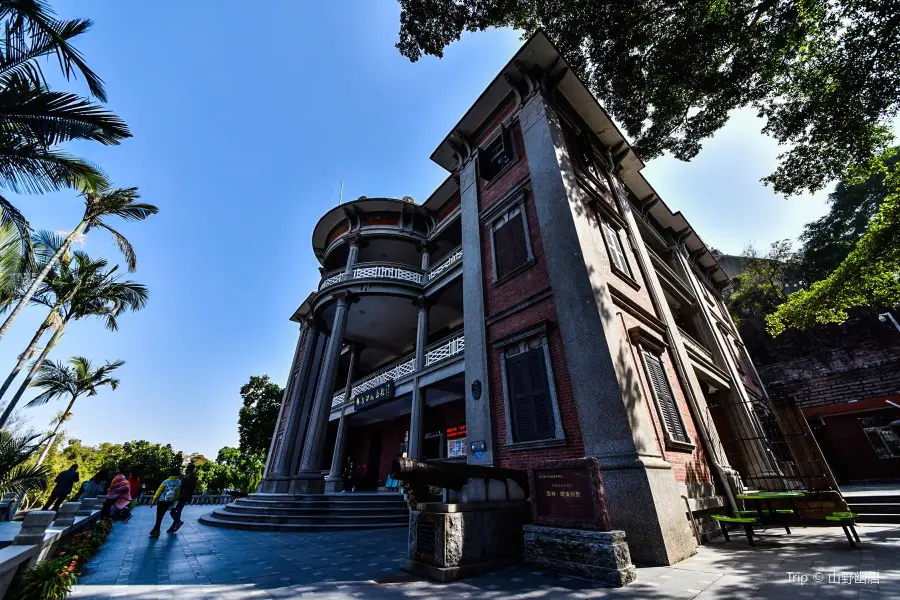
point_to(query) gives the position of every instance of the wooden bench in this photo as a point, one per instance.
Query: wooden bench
(747, 522)
(846, 521)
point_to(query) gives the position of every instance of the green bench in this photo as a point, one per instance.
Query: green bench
(747, 522)
(846, 521)
(775, 513)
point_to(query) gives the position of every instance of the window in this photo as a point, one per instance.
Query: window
(884, 441)
(509, 239)
(665, 401)
(531, 410)
(497, 154)
(615, 249)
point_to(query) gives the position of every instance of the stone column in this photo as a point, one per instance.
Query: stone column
(417, 412)
(641, 491)
(299, 384)
(477, 388)
(87, 507)
(335, 480)
(33, 527)
(352, 254)
(310, 475)
(274, 464)
(65, 516)
(306, 400)
(426, 257)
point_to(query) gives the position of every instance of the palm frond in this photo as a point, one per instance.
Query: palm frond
(11, 217)
(33, 168)
(15, 450)
(36, 19)
(56, 117)
(125, 246)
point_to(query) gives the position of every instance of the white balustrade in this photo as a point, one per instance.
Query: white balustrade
(449, 348)
(446, 264)
(385, 272)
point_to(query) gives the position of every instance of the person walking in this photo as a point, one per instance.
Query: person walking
(185, 495)
(165, 495)
(134, 483)
(65, 481)
(118, 495)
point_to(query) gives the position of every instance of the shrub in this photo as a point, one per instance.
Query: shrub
(50, 579)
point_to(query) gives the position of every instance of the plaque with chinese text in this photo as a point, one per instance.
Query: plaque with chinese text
(568, 493)
(377, 394)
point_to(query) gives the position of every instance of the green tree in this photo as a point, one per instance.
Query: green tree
(256, 420)
(100, 203)
(822, 74)
(869, 276)
(80, 379)
(830, 239)
(151, 461)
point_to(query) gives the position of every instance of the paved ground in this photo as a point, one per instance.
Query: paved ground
(205, 562)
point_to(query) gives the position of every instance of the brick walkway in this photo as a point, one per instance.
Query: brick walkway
(205, 562)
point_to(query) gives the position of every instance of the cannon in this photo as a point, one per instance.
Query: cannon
(453, 476)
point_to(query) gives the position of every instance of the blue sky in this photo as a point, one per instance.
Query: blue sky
(245, 121)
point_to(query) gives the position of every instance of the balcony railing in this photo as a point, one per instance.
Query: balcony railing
(694, 345)
(393, 272)
(405, 366)
(445, 265)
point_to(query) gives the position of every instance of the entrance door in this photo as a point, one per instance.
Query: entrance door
(374, 462)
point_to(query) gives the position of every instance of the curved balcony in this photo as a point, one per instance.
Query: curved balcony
(435, 353)
(387, 272)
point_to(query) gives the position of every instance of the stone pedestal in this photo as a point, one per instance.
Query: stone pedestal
(307, 483)
(450, 541)
(334, 484)
(596, 555)
(33, 527)
(87, 507)
(65, 516)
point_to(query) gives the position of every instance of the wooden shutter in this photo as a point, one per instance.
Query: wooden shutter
(531, 407)
(616, 251)
(668, 409)
(509, 143)
(510, 245)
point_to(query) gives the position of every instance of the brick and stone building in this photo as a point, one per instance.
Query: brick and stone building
(543, 303)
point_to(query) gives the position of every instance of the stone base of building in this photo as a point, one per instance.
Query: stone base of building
(334, 484)
(302, 483)
(595, 555)
(450, 541)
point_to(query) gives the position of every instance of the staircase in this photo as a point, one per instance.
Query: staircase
(875, 508)
(311, 512)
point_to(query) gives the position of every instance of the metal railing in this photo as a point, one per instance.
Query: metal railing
(392, 271)
(437, 352)
(695, 345)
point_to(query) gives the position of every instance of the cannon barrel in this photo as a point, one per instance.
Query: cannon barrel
(451, 475)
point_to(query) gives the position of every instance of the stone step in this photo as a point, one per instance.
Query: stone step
(311, 511)
(266, 517)
(293, 527)
(337, 497)
(880, 508)
(873, 499)
(879, 518)
(318, 504)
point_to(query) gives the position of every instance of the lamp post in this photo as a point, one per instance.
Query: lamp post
(887, 316)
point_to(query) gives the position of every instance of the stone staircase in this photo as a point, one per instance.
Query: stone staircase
(312, 512)
(875, 508)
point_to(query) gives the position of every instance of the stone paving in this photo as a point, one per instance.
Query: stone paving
(206, 562)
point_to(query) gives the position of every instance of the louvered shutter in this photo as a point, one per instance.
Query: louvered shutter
(519, 397)
(540, 395)
(667, 407)
(510, 245)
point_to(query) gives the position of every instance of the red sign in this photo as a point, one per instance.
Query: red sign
(456, 432)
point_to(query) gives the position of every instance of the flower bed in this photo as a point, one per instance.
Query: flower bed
(53, 578)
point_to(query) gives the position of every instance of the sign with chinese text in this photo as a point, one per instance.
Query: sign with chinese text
(568, 493)
(375, 395)
(456, 432)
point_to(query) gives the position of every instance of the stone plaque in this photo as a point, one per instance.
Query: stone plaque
(568, 493)
(425, 536)
(377, 394)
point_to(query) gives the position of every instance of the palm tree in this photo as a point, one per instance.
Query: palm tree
(58, 380)
(83, 288)
(99, 204)
(15, 476)
(34, 119)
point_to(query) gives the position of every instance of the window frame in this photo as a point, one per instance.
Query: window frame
(672, 443)
(505, 134)
(500, 220)
(606, 229)
(531, 339)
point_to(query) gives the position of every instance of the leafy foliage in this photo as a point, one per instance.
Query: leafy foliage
(16, 474)
(869, 276)
(256, 420)
(822, 73)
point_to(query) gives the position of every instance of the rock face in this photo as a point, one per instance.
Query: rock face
(311, 512)
(597, 555)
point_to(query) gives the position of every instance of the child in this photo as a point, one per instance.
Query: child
(165, 495)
